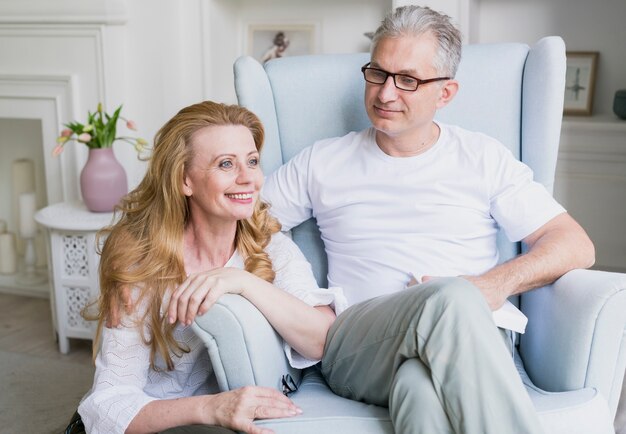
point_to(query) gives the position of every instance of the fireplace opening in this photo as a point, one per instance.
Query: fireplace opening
(22, 170)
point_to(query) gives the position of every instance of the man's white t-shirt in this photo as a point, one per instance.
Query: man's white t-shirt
(383, 217)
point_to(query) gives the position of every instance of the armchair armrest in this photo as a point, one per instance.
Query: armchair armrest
(243, 347)
(575, 334)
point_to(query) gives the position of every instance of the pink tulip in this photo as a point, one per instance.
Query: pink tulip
(57, 150)
(66, 132)
(84, 137)
(131, 125)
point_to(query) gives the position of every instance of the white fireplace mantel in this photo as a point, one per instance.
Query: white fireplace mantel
(48, 98)
(56, 69)
(59, 60)
(63, 11)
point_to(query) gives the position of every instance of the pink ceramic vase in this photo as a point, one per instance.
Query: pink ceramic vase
(102, 181)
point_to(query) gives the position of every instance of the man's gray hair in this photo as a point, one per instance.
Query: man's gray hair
(416, 20)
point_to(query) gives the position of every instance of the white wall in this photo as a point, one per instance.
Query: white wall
(584, 25)
(179, 52)
(339, 28)
(591, 170)
(154, 56)
(161, 55)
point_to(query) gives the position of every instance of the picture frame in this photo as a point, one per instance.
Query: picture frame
(265, 42)
(580, 78)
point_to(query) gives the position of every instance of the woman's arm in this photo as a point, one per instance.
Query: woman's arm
(302, 326)
(117, 402)
(288, 304)
(117, 394)
(235, 410)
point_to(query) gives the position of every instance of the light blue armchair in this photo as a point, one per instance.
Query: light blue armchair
(574, 349)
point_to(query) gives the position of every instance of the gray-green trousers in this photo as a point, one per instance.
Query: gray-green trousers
(434, 356)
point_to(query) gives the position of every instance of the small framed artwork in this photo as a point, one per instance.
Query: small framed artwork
(580, 78)
(269, 41)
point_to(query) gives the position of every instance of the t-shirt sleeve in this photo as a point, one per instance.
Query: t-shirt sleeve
(117, 394)
(519, 204)
(286, 190)
(295, 276)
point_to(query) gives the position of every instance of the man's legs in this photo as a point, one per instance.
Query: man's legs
(413, 388)
(447, 326)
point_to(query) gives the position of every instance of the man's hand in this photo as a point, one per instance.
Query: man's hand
(491, 290)
(238, 408)
(555, 248)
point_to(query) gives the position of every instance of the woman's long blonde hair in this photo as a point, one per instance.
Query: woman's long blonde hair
(144, 249)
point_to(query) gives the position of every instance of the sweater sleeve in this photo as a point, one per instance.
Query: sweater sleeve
(294, 275)
(117, 394)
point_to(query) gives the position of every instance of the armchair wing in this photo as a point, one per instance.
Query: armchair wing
(575, 335)
(243, 347)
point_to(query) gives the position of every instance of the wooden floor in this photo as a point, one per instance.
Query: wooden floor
(26, 328)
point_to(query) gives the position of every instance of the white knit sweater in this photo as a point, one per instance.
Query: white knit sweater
(124, 382)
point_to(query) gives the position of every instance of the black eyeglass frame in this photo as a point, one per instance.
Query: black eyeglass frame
(388, 74)
(289, 386)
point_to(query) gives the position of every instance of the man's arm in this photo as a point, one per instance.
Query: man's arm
(555, 248)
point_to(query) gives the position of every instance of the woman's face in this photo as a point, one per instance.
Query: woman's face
(224, 177)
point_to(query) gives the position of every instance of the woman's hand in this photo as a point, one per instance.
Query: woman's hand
(238, 408)
(200, 291)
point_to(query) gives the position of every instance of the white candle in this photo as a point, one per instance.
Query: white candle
(8, 254)
(23, 180)
(3, 226)
(23, 177)
(28, 206)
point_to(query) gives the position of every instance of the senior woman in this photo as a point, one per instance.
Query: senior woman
(192, 230)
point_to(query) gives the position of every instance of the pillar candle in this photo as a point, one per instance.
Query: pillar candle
(8, 254)
(28, 206)
(23, 181)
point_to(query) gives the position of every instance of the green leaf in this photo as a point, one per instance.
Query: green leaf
(110, 129)
(76, 127)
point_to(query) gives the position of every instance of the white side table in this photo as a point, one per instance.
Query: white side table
(73, 262)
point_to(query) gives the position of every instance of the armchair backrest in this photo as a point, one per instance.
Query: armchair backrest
(509, 91)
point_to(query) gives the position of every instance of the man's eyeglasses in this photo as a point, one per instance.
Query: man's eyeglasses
(401, 81)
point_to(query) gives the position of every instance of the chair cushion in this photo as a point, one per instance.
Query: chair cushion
(577, 412)
(580, 411)
(325, 412)
(574, 412)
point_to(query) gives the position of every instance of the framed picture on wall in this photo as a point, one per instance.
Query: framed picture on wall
(269, 41)
(580, 77)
